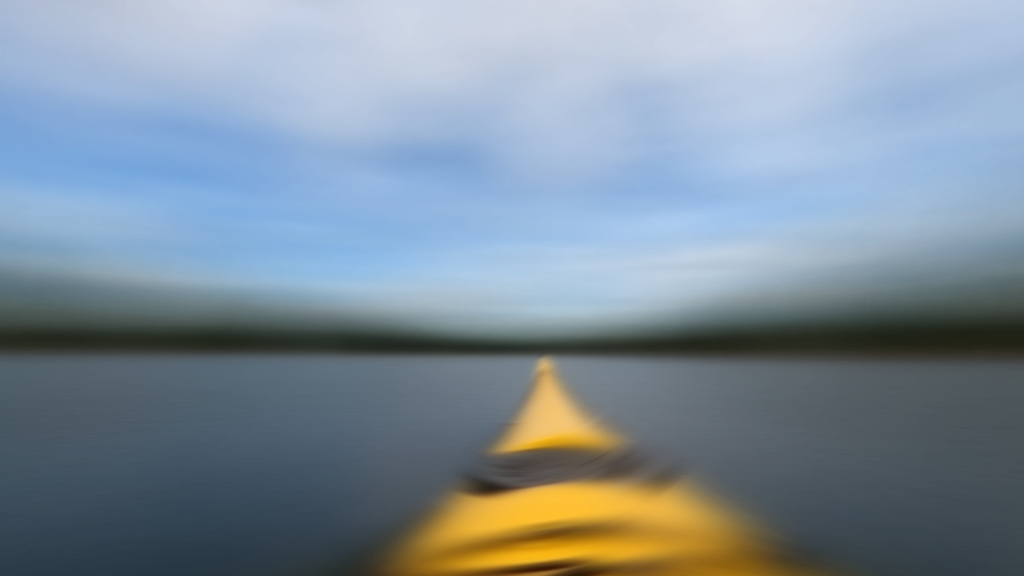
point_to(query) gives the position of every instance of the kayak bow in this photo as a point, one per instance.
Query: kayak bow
(560, 494)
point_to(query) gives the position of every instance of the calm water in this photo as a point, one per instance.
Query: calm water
(297, 465)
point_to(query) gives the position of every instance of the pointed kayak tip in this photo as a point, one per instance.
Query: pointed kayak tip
(551, 418)
(546, 364)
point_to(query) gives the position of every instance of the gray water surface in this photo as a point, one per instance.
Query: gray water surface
(201, 465)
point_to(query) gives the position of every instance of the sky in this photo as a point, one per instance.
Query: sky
(511, 163)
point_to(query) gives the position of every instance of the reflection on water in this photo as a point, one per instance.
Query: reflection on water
(203, 465)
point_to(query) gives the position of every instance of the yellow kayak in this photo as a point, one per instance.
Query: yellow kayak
(560, 494)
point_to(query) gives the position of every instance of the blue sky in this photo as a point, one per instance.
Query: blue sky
(509, 163)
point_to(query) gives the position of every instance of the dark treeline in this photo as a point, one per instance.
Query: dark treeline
(934, 337)
(64, 312)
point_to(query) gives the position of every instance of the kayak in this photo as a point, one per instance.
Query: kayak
(562, 494)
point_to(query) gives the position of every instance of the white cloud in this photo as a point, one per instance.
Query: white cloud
(544, 84)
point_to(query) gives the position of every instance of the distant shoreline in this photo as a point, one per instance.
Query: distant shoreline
(839, 342)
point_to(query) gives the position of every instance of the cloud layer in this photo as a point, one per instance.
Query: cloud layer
(479, 161)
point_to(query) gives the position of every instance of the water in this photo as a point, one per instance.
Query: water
(299, 465)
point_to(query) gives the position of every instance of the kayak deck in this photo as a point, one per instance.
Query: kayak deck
(561, 494)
